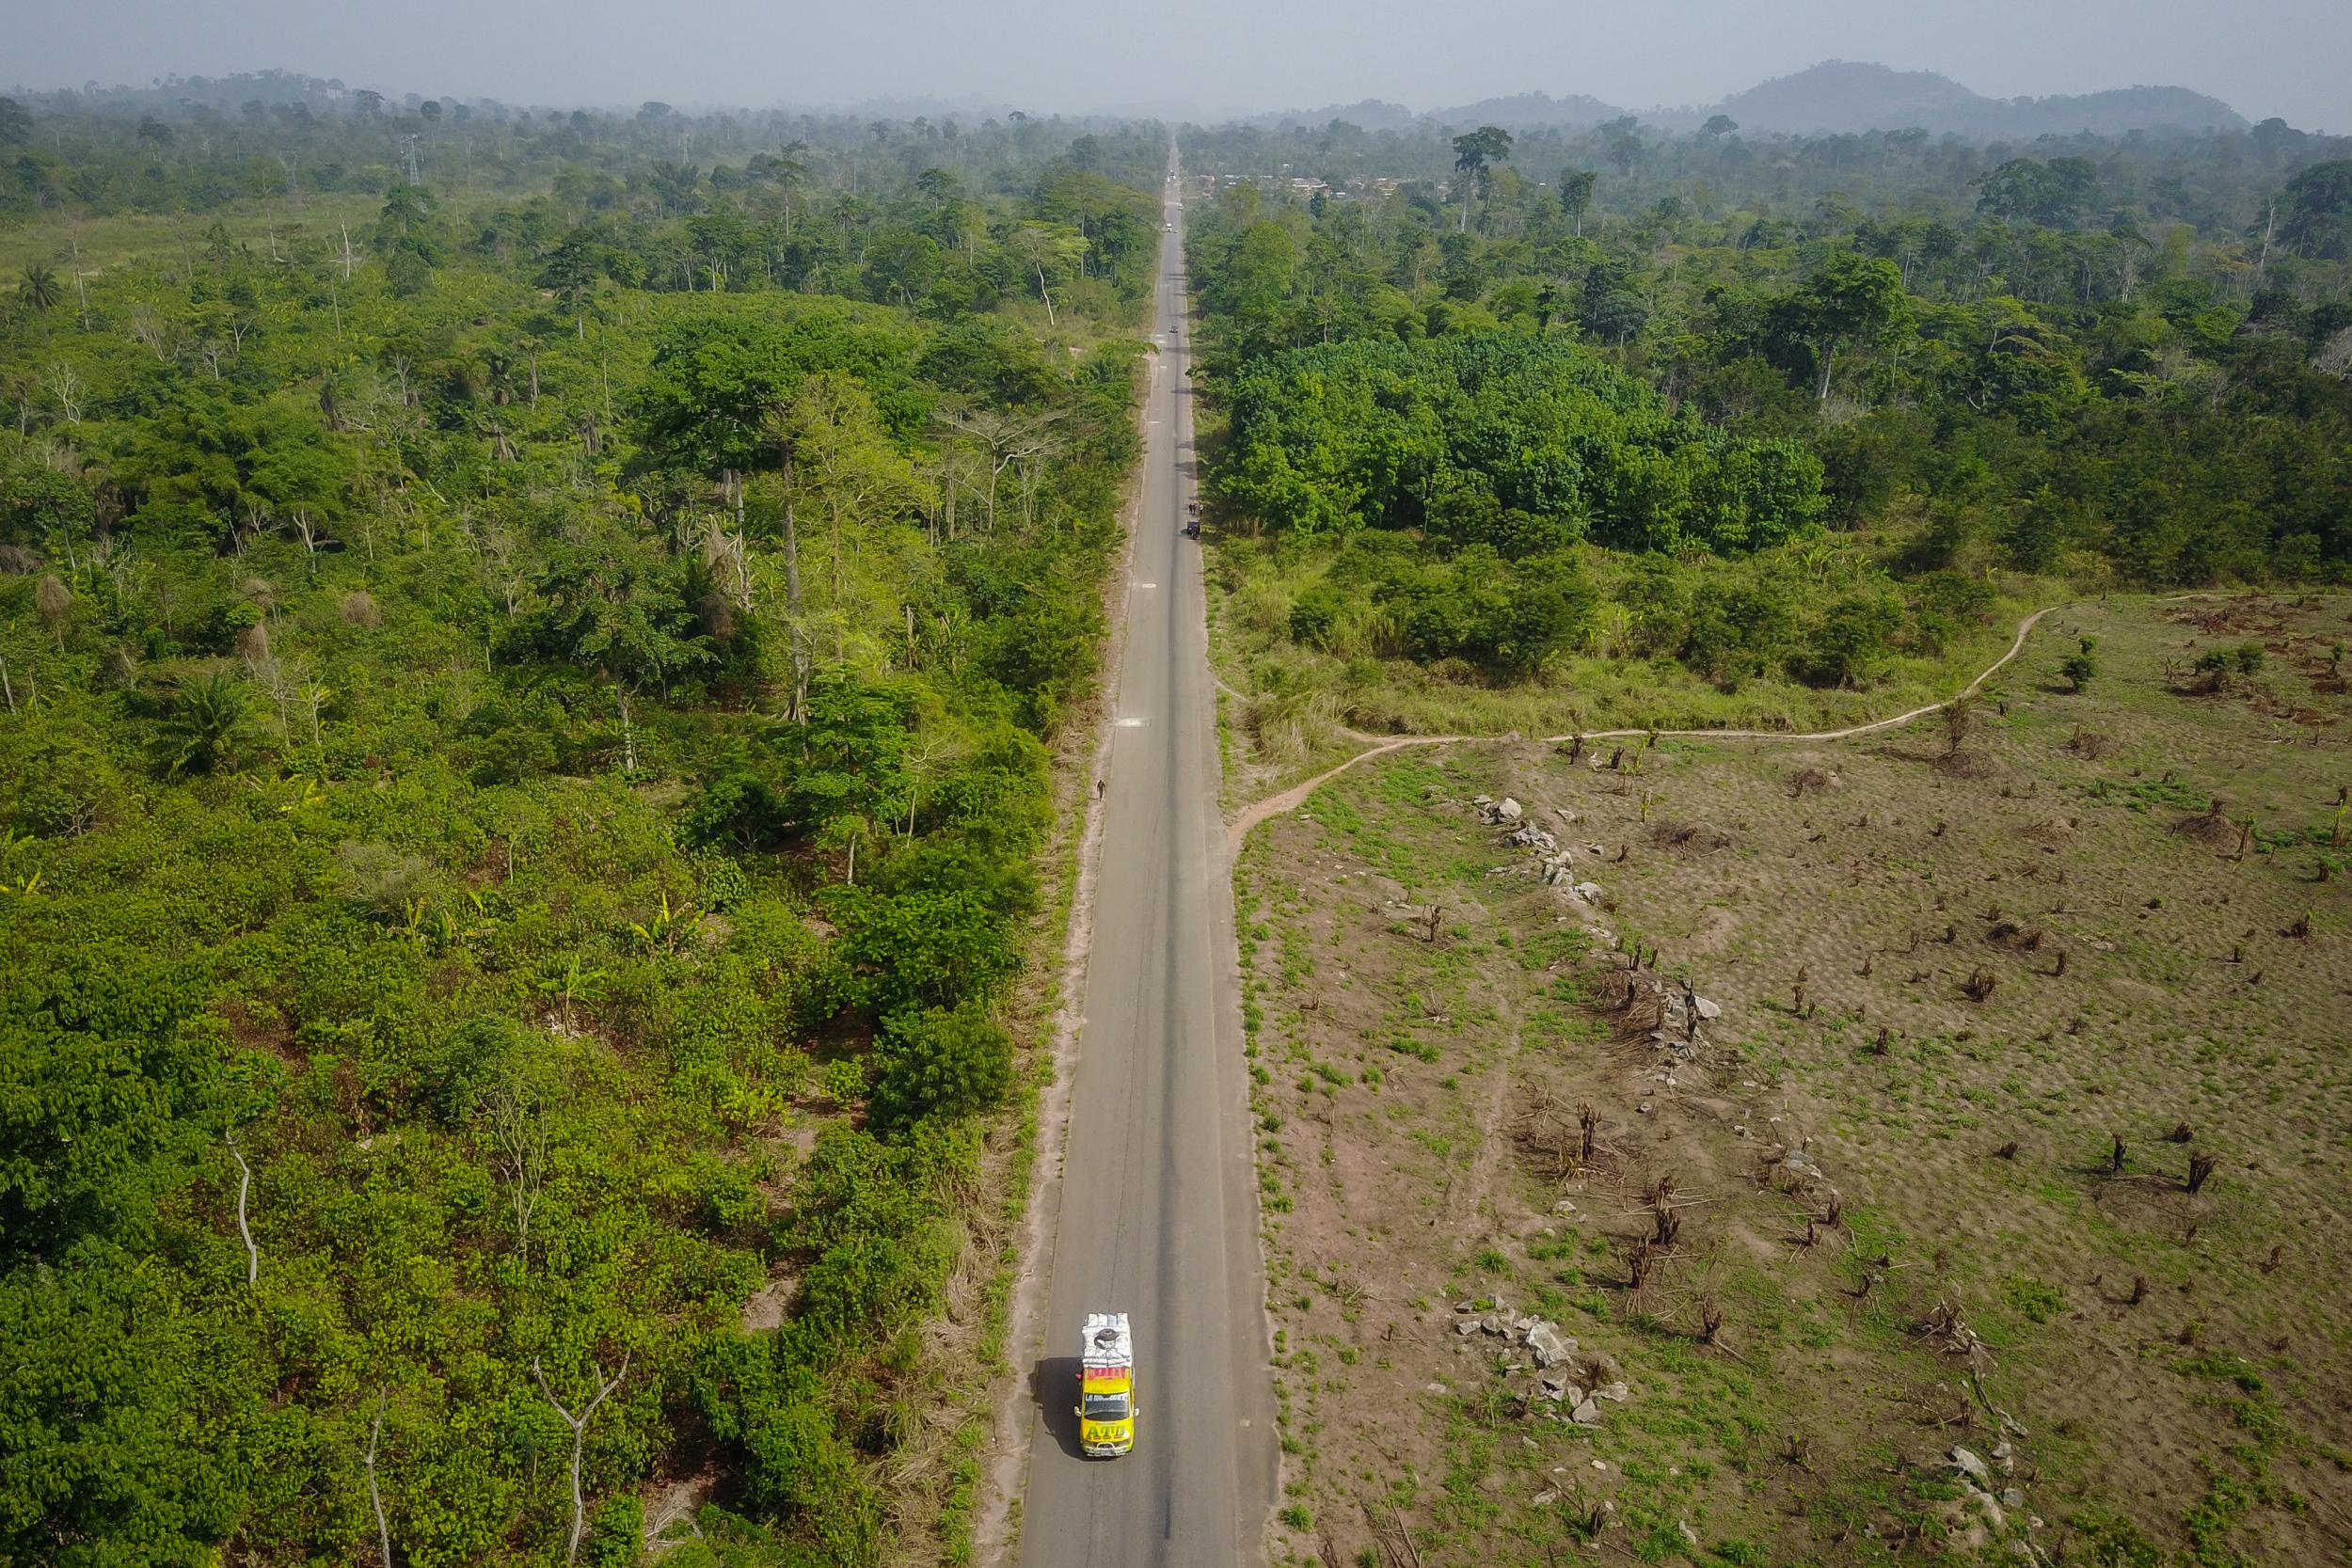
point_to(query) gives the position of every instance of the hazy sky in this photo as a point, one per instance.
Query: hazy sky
(2289, 57)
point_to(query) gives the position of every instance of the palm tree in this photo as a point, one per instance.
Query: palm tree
(39, 288)
(201, 729)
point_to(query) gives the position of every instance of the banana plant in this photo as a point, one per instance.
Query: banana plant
(666, 927)
(574, 985)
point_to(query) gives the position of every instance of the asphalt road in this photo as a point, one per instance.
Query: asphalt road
(1158, 1210)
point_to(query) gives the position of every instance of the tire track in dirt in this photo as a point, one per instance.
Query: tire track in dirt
(1295, 796)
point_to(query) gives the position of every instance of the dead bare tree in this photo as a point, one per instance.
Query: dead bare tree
(52, 601)
(375, 1498)
(2200, 1169)
(245, 1228)
(519, 1136)
(1638, 1263)
(579, 1437)
(1959, 723)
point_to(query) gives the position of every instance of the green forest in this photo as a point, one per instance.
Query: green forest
(543, 656)
(535, 648)
(1785, 418)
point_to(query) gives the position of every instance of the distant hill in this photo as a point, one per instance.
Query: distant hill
(1846, 95)
(214, 92)
(2111, 114)
(1525, 109)
(1834, 96)
(1367, 114)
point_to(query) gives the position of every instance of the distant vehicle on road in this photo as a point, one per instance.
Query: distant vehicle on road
(1107, 1386)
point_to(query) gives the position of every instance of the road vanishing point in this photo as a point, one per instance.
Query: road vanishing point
(1158, 1197)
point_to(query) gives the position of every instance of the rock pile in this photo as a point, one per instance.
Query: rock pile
(1495, 813)
(1976, 1517)
(1569, 1382)
(1669, 1014)
(1528, 835)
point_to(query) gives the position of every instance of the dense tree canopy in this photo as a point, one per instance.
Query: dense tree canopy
(1521, 443)
(1722, 373)
(531, 661)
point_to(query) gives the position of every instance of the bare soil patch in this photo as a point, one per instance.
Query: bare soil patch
(2017, 1127)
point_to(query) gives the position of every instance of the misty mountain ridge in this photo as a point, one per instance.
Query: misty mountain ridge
(1835, 96)
(1852, 96)
(1525, 110)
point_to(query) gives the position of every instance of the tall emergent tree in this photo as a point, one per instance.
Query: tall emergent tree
(1852, 300)
(1473, 154)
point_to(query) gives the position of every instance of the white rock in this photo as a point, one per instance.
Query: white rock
(1550, 1346)
(1968, 1465)
(1615, 1392)
(2014, 1497)
(1509, 809)
(1586, 1414)
(1708, 1011)
(1544, 1498)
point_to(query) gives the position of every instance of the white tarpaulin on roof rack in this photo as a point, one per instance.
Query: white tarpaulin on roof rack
(1105, 1341)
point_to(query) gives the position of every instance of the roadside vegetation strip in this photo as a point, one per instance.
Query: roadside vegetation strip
(1290, 798)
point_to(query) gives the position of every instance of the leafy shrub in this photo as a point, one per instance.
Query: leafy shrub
(2037, 1300)
(941, 1063)
(379, 878)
